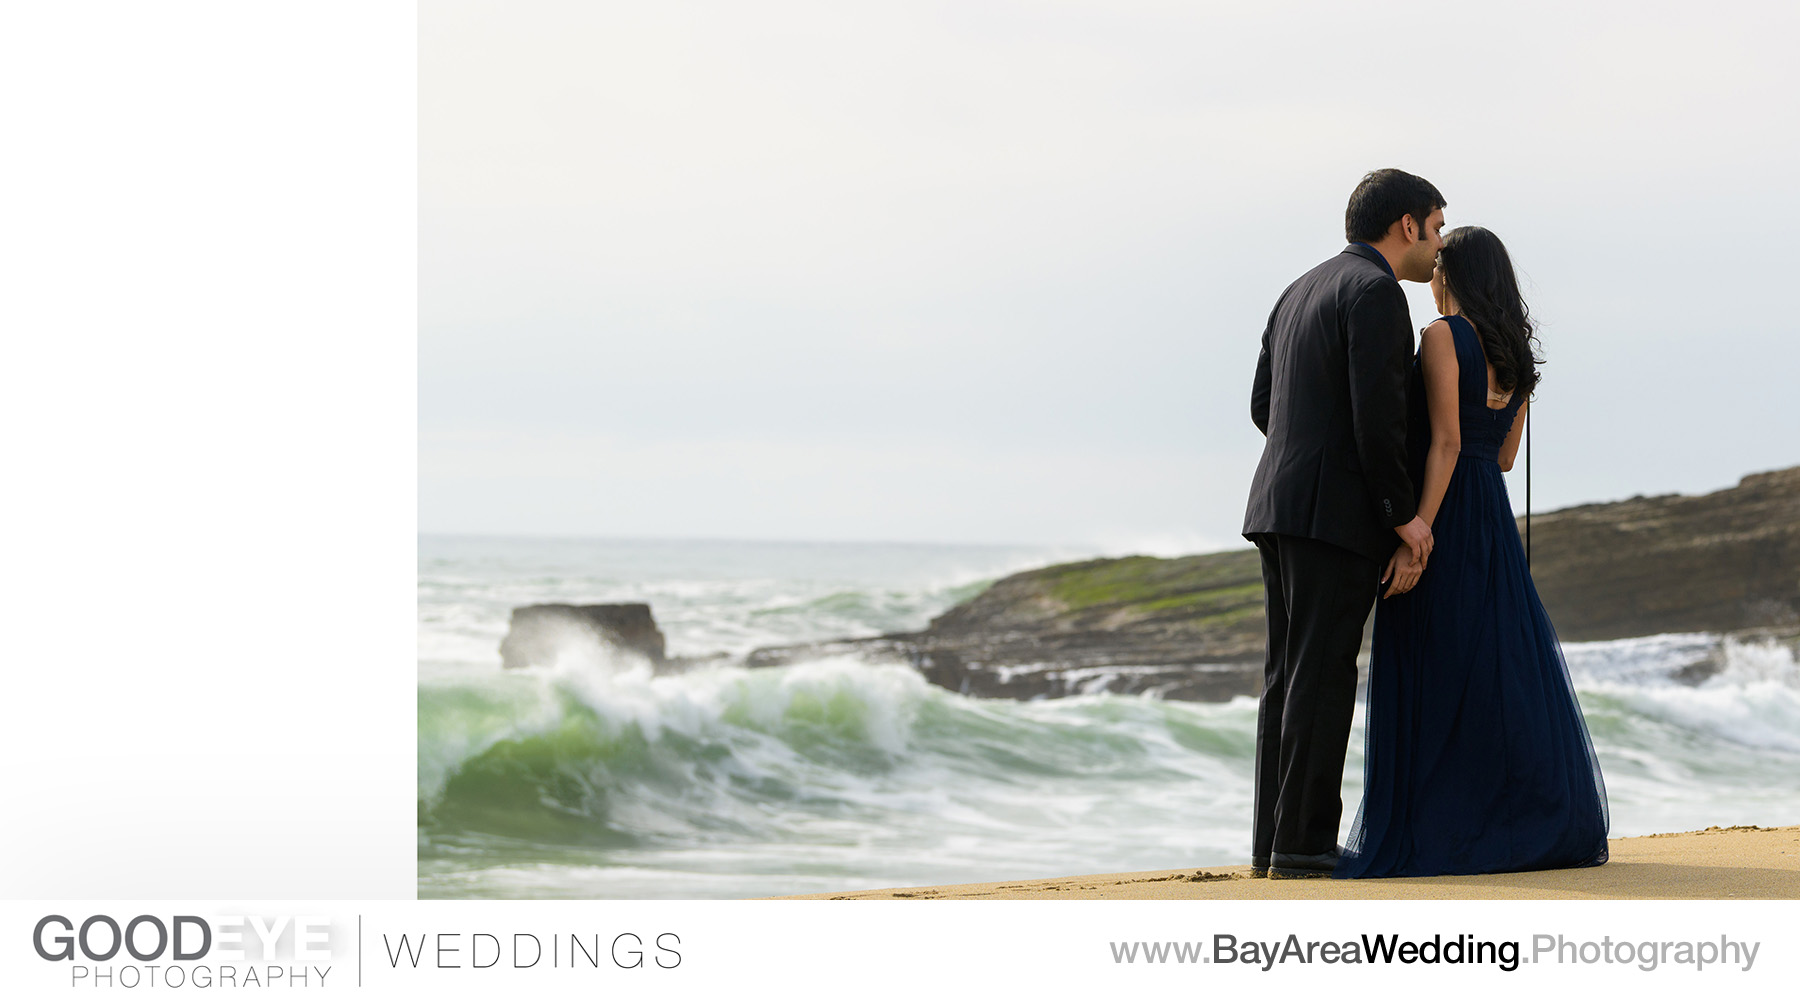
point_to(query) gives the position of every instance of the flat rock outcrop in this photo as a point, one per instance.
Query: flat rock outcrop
(1188, 628)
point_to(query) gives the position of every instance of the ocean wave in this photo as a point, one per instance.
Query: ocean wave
(1744, 693)
(573, 740)
(580, 774)
(607, 754)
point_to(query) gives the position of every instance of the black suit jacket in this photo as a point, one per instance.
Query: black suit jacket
(1331, 397)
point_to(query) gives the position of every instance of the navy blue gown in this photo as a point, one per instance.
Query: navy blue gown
(1477, 759)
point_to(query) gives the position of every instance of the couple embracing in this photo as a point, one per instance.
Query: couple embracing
(1381, 474)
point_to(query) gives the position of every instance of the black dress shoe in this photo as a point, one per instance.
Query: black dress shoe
(1304, 865)
(1259, 866)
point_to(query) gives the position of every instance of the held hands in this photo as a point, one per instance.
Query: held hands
(1408, 562)
(1417, 536)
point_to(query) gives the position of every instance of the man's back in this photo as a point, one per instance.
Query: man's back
(1330, 394)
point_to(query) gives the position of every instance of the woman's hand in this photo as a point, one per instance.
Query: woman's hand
(1403, 570)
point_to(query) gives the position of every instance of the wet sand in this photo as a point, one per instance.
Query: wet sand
(1740, 862)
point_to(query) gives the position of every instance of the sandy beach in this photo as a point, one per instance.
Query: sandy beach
(1739, 862)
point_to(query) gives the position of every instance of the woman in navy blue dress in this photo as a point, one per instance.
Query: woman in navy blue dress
(1478, 759)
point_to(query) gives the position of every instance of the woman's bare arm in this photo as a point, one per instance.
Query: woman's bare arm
(1438, 357)
(1509, 449)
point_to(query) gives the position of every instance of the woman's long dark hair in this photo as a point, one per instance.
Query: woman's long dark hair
(1478, 273)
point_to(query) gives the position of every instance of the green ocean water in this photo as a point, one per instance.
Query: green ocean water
(591, 778)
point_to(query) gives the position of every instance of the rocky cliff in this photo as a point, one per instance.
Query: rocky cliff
(1192, 627)
(1716, 563)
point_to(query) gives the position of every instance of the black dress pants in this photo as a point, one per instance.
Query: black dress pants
(1318, 597)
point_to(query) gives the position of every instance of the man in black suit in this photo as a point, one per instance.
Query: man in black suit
(1332, 503)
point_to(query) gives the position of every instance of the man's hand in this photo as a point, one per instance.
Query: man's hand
(1403, 570)
(1417, 536)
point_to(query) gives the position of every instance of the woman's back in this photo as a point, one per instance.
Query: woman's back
(1484, 426)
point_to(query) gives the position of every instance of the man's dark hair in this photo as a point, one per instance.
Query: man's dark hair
(1382, 198)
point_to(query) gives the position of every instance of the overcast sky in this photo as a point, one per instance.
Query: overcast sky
(996, 272)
